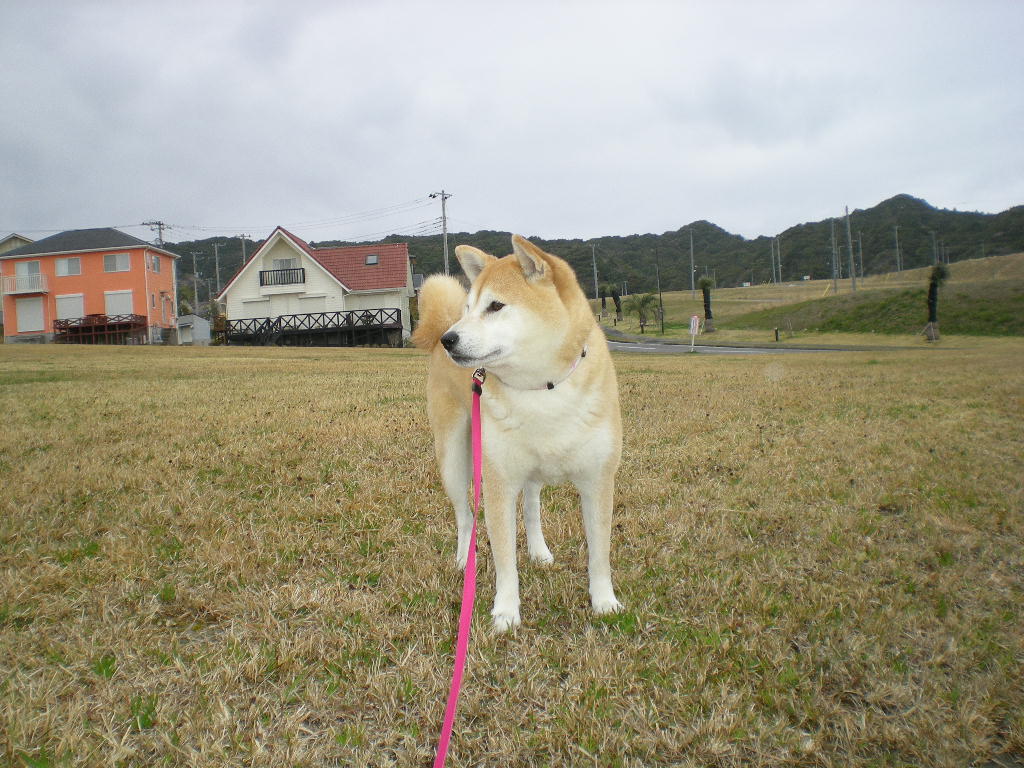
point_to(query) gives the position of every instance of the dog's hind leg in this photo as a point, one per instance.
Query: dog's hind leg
(455, 459)
(535, 543)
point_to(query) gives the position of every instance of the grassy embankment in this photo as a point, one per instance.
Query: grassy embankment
(984, 297)
(243, 556)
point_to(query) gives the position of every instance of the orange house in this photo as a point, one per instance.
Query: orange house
(88, 286)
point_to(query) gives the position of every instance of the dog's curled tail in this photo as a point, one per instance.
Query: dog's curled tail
(441, 301)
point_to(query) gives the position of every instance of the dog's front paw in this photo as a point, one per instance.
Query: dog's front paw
(542, 556)
(505, 619)
(607, 604)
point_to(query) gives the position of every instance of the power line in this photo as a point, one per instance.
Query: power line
(352, 218)
(427, 227)
(357, 217)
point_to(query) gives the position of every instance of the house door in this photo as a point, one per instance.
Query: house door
(30, 314)
(281, 305)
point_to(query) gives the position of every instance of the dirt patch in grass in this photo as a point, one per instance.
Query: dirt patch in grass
(242, 556)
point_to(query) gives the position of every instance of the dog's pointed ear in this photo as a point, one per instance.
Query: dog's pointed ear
(473, 260)
(531, 258)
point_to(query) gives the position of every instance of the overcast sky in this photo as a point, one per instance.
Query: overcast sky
(337, 119)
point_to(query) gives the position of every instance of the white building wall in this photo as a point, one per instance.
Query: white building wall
(382, 300)
(320, 293)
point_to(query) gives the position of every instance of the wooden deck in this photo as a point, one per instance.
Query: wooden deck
(101, 329)
(350, 328)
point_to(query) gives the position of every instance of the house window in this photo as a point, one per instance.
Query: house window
(152, 300)
(118, 302)
(371, 259)
(70, 306)
(116, 262)
(156, 263)
(286, 263)
(69, 266)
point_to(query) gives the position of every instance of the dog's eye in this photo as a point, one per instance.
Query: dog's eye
(494, 306)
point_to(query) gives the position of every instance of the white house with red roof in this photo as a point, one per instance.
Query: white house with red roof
(292, 290)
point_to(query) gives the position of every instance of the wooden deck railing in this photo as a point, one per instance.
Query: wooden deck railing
(266, 330)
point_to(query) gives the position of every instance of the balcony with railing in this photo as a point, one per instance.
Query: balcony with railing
(35, 283)
(275, 277)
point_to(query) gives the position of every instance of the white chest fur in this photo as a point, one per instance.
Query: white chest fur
(547, 436)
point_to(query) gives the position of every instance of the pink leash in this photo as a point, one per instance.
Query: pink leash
(469, 582)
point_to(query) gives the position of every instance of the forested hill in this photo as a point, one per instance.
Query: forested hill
(806, 248)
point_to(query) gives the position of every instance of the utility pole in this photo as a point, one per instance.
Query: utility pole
(935, 248)
(593, 258)
(693, 291)
(849, 249)
(216, 263)
(899, 262)
(159, 227)
(771, 243)
(444, 224)
(778, 256)
(661, 304)
(835, 277)
(243, 247)
(860, 253)
(195, 283)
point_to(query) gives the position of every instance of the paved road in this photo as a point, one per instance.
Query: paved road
(680, 349)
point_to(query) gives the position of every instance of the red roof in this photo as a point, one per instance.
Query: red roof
(348, 264)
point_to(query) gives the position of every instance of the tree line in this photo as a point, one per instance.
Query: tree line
(630, 263)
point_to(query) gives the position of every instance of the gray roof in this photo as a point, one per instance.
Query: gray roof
(80, 240)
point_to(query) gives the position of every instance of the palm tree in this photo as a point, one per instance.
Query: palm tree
(936, 278)
(603, 292)
(706, 284)
(617, 298)
(640, 304)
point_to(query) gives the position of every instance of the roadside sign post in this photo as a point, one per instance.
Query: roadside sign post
(694, 329)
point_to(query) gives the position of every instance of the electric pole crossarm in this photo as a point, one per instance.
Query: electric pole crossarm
(159, 227)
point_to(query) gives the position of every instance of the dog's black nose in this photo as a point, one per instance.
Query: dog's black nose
(449, 340)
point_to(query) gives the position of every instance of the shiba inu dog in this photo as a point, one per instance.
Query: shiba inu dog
(550, 406)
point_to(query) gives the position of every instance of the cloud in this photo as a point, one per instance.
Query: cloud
(552, 119)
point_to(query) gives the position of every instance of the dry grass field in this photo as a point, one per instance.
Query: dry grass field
(222, 557)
